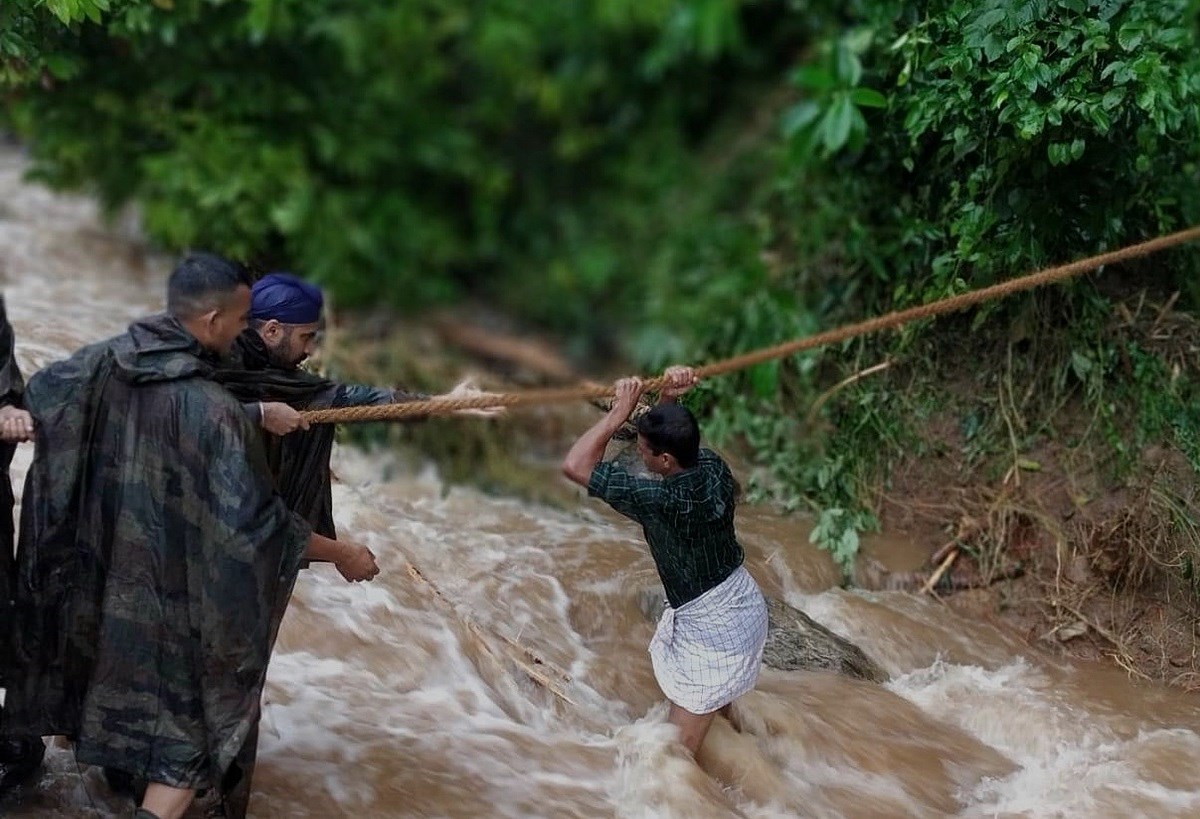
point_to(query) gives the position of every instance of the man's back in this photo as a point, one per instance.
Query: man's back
(687, 519)
(171, 567)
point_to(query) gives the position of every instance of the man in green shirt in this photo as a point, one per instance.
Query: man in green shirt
(708, 646)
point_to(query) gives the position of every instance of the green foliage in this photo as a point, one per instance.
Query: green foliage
(1008, 125)
(37, 37)
(1030, 110)
(403, 152)
(830, 117)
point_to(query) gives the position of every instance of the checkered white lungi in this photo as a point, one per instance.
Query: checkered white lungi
(708, 652)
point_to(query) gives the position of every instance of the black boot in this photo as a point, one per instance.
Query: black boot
(20, 759)
(142, 813)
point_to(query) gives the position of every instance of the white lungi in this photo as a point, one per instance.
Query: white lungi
(708, 652)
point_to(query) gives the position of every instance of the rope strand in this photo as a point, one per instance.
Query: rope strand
(447, 404)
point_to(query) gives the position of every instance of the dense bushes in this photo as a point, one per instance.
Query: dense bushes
(395, 150)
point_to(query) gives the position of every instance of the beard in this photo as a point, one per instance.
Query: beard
(283, 359)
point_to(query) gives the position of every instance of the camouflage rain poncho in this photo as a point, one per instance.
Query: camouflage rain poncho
(154, 561)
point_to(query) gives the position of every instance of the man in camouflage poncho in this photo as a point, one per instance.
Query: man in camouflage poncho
(20, 757)
(155, 560)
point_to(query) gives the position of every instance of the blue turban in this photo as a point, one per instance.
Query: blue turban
(283, 297)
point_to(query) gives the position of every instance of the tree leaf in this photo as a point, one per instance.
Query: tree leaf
(989, 19)
(799, 116)
(868, 98)
(835, 126)
(64, 10)
(849, 67)
(993, 47)
(859, 40)
(63, 67)
(1130, 36)
(813, 78)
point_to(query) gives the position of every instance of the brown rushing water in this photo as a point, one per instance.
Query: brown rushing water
(381, 702)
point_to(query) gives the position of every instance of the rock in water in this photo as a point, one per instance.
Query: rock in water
(795, 641)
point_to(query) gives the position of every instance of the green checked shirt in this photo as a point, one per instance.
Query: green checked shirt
(687, 519)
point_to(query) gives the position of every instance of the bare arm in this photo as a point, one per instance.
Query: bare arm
(353, 561)
(588, 451)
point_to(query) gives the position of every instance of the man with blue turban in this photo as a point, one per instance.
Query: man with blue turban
(264, 372)
(286, 318)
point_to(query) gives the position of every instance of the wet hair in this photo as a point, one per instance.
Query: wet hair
(672, 428)
(202, 282)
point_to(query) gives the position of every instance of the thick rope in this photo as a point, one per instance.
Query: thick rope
(446, 404)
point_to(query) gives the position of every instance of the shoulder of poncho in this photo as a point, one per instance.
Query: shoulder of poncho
(217, 403)
(69, 374)
(87, 354)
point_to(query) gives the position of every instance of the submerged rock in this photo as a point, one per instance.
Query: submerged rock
(795, 641)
